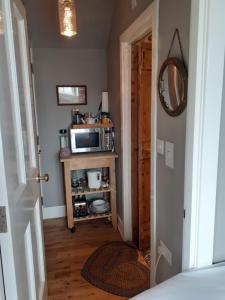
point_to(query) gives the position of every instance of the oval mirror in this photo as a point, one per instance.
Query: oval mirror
(172, 86)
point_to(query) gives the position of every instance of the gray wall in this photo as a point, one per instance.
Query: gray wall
(63, 66)
(170, 183)
(219, 246)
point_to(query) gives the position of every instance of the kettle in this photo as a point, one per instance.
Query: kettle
(94, 179)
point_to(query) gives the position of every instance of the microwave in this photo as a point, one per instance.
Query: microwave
(97, 139)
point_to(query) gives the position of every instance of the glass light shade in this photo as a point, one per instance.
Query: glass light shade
(67, 17)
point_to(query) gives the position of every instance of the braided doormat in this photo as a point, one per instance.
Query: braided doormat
(114, 268)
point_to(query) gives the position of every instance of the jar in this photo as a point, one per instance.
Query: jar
(64, 143)
(105, 120)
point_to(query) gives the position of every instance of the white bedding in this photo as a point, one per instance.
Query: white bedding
(203, 284)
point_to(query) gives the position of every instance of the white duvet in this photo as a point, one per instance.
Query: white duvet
(203, 284)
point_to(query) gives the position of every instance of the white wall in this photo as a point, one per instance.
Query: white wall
(63, 66)
(219, 246)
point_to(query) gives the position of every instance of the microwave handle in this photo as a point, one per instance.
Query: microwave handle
(73, 142)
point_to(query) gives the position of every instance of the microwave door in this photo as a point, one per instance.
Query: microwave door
(87, 140)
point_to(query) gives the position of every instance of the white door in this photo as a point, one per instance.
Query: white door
(22, 245)
(2, 288)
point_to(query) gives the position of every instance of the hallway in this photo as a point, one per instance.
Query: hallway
(64, 264)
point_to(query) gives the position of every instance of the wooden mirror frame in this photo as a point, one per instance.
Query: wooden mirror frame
(184, 80)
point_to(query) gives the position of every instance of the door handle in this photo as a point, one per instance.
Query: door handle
(38, 178)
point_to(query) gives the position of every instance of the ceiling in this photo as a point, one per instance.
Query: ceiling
(93, 24)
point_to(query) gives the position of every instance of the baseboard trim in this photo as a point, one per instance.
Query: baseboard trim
(120, 226)
(53, 212)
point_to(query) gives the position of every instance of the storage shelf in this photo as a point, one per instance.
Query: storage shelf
(88, 191)
(93, 217)
(89, 161)
(96, 125)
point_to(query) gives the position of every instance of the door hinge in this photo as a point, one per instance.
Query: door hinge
(3, 220)
(32, 68)
(184, 214)
(42, 200)
(38, 145)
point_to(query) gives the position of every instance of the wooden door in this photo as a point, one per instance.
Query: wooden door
(141, 143)
(22, 244)
(134, 142)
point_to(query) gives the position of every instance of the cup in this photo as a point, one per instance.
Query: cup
(90, 120)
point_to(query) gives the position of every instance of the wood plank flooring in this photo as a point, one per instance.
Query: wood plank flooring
(66, 253)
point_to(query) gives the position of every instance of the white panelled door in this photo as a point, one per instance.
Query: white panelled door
(22, 245)
(2, 288)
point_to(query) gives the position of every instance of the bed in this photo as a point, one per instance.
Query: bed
(202, 284)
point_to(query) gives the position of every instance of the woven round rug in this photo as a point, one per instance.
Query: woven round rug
(114, 268)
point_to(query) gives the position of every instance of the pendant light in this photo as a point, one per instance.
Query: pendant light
(67, 17)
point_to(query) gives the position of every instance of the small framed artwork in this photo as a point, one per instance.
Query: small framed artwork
(71, 94)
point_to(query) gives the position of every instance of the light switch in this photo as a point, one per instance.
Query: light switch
(169, 155)
(160, 147)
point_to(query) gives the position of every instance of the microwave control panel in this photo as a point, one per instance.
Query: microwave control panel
(108, 139)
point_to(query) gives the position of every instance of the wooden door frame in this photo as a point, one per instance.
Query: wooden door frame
(146, 22)
(206, 71)
(140, 140)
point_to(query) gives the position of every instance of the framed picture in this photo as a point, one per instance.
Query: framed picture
(71, 94)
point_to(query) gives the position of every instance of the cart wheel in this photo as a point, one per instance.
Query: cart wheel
(72, 230)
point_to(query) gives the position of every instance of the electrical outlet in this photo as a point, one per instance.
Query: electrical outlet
(164, 251)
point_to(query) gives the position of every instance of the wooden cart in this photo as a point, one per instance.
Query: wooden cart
(89, 161)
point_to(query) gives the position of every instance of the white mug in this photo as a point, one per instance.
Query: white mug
(90, 120)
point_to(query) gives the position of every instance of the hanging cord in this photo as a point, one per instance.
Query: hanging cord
(156, 266)
(176, 33)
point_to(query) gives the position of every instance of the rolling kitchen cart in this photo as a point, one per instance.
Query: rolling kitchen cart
(89, 161)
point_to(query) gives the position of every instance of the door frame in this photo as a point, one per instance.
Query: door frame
(206, 71)
(146, 22)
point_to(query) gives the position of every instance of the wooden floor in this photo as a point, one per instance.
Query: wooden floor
(66, 253)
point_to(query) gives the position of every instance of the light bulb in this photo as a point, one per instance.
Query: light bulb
(67, 17)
